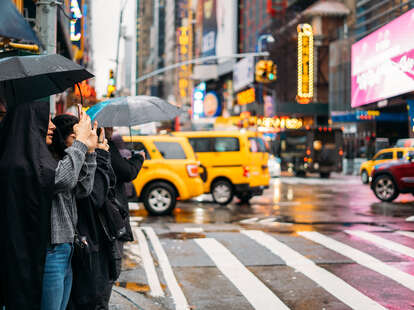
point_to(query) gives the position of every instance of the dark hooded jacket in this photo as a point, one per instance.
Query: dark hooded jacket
(27, 172)
(89, 282)
(126, 170)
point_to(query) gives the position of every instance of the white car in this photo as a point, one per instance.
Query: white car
(274, 166)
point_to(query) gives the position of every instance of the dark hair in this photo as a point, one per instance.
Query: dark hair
(64, 127)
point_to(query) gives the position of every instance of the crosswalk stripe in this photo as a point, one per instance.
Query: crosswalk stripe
(405, 233)
(259, 296)
(382, 242)
(193, 229)
(361, 258)
(268, 220)
(251, 220)
(331, 283)
(153, 281)
(176, 292)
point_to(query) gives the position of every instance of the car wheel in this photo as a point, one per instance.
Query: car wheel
(300, 173)
(364, 177)
(222, 192)
(159, 198)
(325, 175)
(385, 188)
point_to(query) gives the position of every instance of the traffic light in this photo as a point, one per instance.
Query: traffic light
(271, 71)
(111, 89)
(266, 71)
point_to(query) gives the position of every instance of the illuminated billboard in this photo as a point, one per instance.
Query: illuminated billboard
(383, 62)
(305, 63)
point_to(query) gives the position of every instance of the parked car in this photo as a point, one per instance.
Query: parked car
(382, 156)
(274, 166)
(394, 177)
(235, 163)
(170, 172)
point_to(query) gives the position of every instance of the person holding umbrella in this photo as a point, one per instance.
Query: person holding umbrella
(35, 231)
(33, 183)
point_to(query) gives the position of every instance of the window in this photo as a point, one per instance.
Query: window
(170, 150)
(134, 146)
(384, 156)
(400, 155)
(201, 145)
(226, 145)
(257, 145)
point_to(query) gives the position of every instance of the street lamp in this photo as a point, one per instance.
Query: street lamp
(269, 39)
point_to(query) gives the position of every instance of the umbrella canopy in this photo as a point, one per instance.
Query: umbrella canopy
(13, 25)
(133, 110)
(26, 78)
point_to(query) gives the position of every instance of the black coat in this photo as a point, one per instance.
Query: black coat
(89, 284)
(126, 170)
(27, 172)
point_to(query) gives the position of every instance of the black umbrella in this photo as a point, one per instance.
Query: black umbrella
(26, 78)
(13, 25)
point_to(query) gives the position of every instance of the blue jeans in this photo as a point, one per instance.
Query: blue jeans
(57, 277)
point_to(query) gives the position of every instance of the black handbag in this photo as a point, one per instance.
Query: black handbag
(81, 248)
(114, 248)
(115, 217)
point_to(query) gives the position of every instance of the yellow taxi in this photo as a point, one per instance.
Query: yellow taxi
(234, 163)
(169, 173)
(382, 157)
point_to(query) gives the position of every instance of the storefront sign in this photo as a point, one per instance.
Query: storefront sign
(246, 97)
(198, 98)
(305, 63)
(280, 122)
(212, 105)
(383, 62)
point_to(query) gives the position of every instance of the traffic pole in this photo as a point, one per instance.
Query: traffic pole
(46, 24)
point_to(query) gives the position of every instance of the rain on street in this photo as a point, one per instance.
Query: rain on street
(306, 243)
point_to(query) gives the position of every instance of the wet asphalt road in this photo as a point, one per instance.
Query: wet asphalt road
(305, 244)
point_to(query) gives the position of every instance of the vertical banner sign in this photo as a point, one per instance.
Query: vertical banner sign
(76, 30)
(209, 28)
(305, 63)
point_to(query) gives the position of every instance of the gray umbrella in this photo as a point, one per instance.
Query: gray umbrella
(26, 78)
(132, 110)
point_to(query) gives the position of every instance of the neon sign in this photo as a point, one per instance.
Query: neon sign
(305, 63)
(75, 23)
(246, 97)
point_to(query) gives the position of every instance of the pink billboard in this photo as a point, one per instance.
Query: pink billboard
(383, 62)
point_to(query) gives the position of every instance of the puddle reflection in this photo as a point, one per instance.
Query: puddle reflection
(136, 287)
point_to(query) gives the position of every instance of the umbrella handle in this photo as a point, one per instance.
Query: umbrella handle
(80, 92)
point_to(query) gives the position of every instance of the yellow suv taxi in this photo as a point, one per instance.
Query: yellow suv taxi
(170, 172)
(234, 163)
(382, 157)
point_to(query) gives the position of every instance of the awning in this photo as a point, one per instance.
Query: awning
(296, 109)
(327, 8)
(13, 25)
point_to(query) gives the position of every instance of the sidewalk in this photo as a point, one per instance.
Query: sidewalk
(123, 299)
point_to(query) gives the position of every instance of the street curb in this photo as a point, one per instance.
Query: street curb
(139, 301)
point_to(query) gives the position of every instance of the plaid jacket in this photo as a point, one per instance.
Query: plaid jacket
(73, 179)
